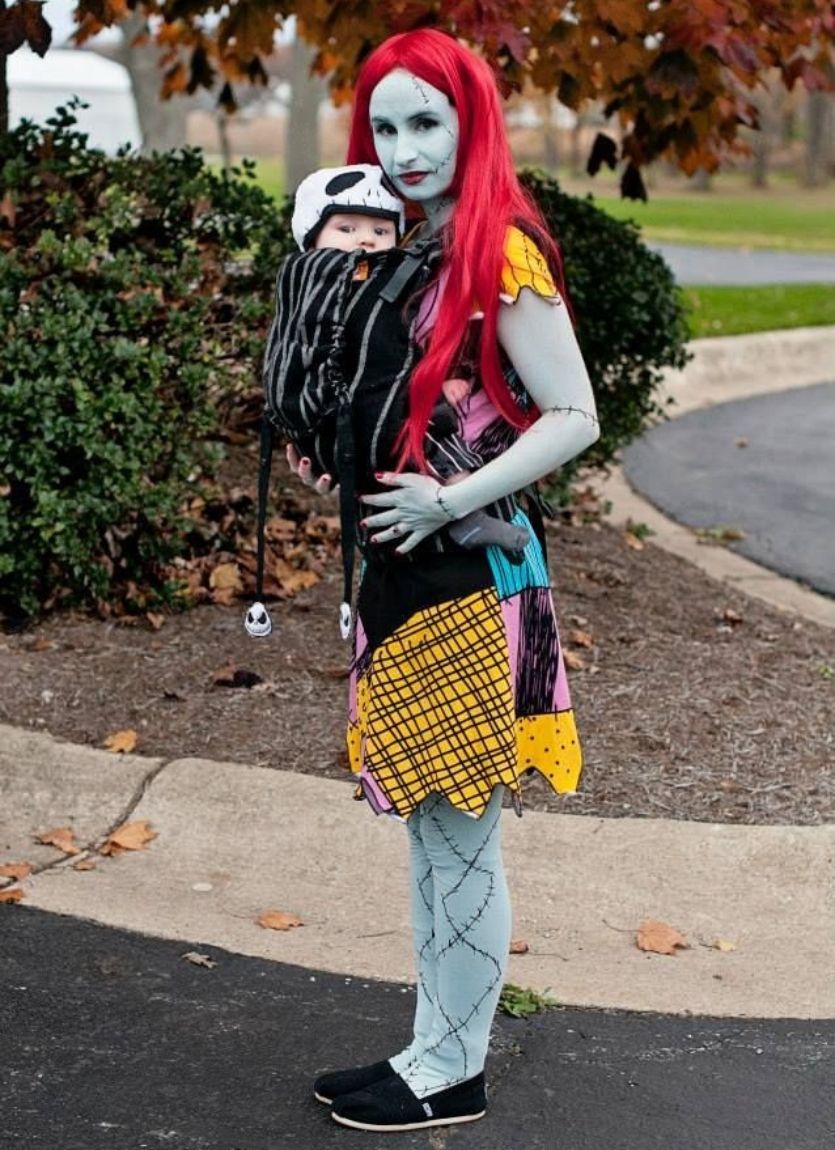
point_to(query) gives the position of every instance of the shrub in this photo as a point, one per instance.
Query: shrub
(134, 294)
(631, 318)
(134, 298)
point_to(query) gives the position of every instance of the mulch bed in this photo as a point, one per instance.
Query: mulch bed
(693, 701)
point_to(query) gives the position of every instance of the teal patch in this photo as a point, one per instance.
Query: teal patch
(511, 578)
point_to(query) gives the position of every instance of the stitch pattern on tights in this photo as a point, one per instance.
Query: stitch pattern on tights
(471, 936)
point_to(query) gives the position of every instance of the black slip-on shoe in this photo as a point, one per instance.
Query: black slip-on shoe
(331, 1086)
(391, 1105)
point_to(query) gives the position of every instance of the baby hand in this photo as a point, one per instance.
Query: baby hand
(456, 390)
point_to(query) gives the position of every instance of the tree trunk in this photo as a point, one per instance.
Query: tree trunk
(578, 163)
(4, 96)
(162, 122)
(701, 180)
(550, 148)
(818, 129)
(301, 152)
(222, 121)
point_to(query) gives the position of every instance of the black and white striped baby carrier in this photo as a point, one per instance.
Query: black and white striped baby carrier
(342, 331)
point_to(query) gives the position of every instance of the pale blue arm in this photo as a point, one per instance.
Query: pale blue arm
(539, 340)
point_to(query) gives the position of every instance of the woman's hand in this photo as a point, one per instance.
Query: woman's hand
(300, 466)
(414, 511)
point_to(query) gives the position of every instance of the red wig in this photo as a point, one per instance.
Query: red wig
(488, 200)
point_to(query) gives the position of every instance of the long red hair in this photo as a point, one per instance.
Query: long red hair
(488, 199)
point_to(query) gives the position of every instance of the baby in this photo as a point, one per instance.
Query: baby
(351, 209)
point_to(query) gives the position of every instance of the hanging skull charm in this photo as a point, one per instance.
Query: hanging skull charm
(257, 621)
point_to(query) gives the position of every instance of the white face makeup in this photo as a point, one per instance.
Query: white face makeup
(350, 231)
(415, 130)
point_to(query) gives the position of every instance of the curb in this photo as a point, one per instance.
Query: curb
(233, 841)
(725, 369)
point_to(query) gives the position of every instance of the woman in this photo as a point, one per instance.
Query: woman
(457, 681)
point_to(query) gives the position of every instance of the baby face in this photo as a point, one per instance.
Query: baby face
(351, 232)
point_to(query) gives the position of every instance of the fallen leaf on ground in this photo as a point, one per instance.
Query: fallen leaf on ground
(741, 441)
(41, 645)
(129, 837)
(519, 946)
(278, 920)
(84, 864)
(8, 211)
(723, 945)
(15, 870)
(633, 541)
(196, 959)
(732, 617)
(291, 578)
(232, 676)
(61, 837)
(719, 534)
(278, 530)
(155, 619)
(226, 577)
(573, 661)
(581, 638)
(12, 894)
(659, 937)
(121, 742)
(332, 672)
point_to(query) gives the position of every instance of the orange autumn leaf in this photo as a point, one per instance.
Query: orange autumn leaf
(519, 946)
(61, 837)
(155, 619)
(121, 742)
(84, 864)
(278, 920)
(659, 937)
(633, 541)
(580, 638)
(132, 836)
(11, 894)
(15, 870)
(226, 577)
(573, 661)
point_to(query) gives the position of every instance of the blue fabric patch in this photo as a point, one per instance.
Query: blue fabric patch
(511, 578)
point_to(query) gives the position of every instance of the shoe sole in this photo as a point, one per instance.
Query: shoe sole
(408, 1125)
(321, 1098)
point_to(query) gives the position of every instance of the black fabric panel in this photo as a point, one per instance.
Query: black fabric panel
(538, 652)
(393, 589)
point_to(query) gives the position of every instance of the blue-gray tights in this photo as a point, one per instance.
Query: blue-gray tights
(461, 921)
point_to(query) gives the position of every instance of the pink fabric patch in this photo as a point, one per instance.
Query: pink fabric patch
(360, 643)
(562, 698)
(510, 613)
(379, 803)
(429, 307)
(476, 413)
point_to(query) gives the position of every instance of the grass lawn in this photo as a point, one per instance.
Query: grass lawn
(784, 216)
(735, 310)
(755, 222)
(270, 176)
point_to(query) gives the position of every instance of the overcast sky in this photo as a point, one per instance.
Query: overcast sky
(59, 14)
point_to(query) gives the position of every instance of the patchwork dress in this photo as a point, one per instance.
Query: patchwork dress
(457, 681)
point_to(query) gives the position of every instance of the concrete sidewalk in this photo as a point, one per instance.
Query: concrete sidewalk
(234, 841)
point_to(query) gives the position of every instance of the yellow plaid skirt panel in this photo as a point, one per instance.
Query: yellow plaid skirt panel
(434, 706)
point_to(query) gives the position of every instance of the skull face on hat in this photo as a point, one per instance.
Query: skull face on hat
(358, 189)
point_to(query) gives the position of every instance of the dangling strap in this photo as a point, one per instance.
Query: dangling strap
(347, 511)
(264, 467)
